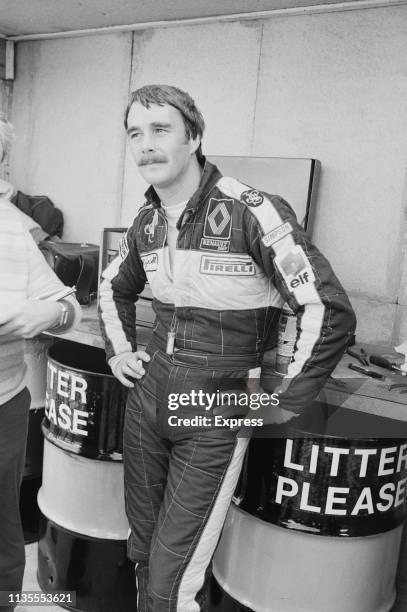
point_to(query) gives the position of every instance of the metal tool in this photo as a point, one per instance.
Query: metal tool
(360, 355)
(337, 382)
(398, 385)
(385, 363)
(366, 372)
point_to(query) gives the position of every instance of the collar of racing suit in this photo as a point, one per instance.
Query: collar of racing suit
(209, 178)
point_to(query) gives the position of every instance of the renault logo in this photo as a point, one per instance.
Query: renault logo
(219, 219)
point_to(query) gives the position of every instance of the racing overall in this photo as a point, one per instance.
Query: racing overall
(240, 255)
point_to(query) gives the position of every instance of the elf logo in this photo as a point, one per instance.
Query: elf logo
(302, 279)
(295, 268)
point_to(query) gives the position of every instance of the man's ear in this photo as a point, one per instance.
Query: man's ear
(194, 144)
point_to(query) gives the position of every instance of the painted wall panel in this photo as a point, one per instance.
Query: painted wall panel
(68, 104)
(332, 86)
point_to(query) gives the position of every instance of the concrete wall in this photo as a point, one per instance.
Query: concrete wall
(68, 101)
(334, 95)
(328, 85)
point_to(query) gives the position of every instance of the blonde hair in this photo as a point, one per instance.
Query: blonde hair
(7, 135)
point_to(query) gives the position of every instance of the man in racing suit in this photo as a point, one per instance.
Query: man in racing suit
(221, 258)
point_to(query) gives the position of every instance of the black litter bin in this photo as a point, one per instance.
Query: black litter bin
(84, 528)
(316, 521)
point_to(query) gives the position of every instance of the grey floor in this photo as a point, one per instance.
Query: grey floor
(30, 581)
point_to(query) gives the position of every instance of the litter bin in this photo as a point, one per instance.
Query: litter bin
(316, 524)
(84, 528)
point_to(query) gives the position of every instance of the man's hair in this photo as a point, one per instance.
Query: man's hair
(6, 135)
(168, 94)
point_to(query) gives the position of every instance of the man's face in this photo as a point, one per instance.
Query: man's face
(159, 144)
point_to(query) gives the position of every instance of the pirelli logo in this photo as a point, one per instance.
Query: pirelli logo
(227, 266)
(277, 234)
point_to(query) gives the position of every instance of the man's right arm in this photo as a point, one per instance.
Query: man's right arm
(123, 281)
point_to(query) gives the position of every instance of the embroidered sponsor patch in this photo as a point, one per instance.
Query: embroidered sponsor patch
(152, 231)
(295, 268)
(149, 228)
(124, 247)
(227, 266)
(150, 262)
(277, 234)
(214, 244)
(252, 197)
(218, 220)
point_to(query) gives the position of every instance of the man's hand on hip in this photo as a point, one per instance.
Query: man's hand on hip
(129, 365)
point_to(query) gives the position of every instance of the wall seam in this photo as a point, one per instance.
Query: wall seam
(6, 100)
(396, 339)
(257, 89)
(124, 148)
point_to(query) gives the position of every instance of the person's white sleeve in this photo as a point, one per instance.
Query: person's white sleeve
(43, 283)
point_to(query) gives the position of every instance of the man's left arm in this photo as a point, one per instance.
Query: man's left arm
(306, 281)
(45, 306)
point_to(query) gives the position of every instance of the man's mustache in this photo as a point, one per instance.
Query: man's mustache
(152, 159)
